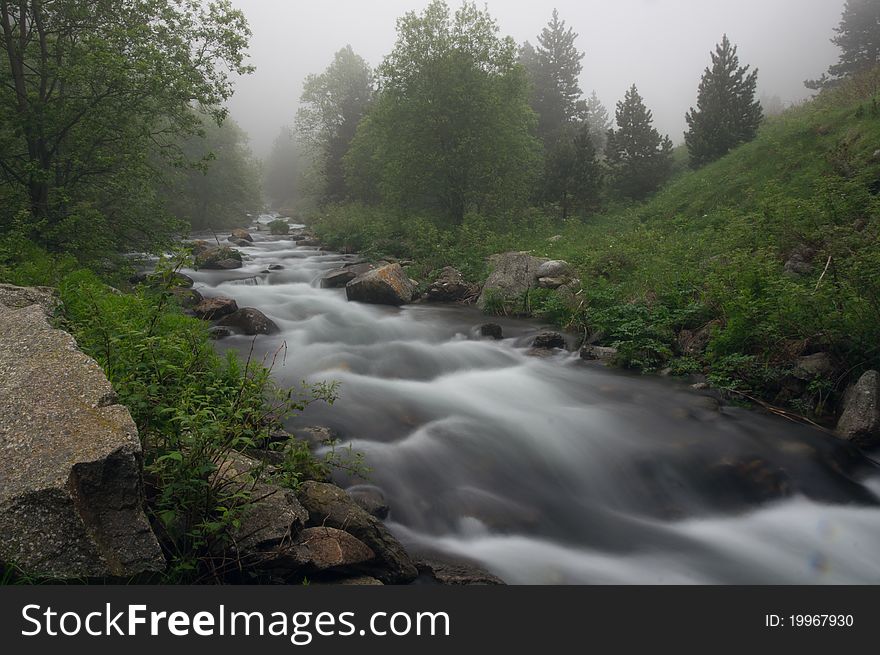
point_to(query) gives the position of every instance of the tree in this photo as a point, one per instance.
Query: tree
(555, 66)
(219, 184)
(858, 37)
(333, 105)
(639, 158)
(91, 91)
(282, 171)
(727, 114)
(573, 174)
(451, 130)
(599, 121)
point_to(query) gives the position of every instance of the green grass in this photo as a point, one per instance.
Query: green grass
(710, 246)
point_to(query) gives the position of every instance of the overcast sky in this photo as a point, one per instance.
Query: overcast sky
(660, 45)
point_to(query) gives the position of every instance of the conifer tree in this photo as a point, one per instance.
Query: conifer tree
(727, 114)
(858, 37)
(599, 121)
(640, 160)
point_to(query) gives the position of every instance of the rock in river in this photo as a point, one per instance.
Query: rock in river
(860, 420)
(71, 487)
(449, 287)
(388, 285)
(210, 309)
(249, 321)
(513, 274)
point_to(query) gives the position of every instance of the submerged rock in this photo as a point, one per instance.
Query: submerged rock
(330, 506)
(860, 420)
(550, 341)
(249, 321)
(492, 331)
(388, 285)
(71, 498)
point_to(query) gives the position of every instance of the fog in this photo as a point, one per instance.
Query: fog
(661, 45)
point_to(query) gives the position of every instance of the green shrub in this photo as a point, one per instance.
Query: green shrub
(279, 227)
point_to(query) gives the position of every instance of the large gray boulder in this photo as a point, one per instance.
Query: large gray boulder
(388, 285)
(513, 274)
(330, 506)
(860, 420)
(249, 321)
(71, 487)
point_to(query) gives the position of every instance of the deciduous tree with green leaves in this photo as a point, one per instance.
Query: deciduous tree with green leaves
(333, 104)
(727, 114)
(639, 158)
(90, 94)
(452, 129)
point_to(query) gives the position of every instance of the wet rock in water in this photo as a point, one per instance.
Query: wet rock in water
(555, 268)
(810, 367)
(211, 309)
(338, 278)
(222, 258)
(388, 285)
(188, 298)
(550, 341)
(309, 243)
(449, 287)
(249, 321)
(492, 331)
(330, 506)
(218, 332)
(316, 435)
(513, 274)
(860, 420)
(455, 573)
(241, 243)
(371, 499)
(749, 481)
(298, 237)
(71, 497)
(598, 353)
(275, 267)
(240, 234)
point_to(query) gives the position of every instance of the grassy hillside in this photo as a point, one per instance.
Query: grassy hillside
(708, 255)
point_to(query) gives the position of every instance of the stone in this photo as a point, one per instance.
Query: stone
(810, 367)
(388, 285)
(371, 499)
(275, 267)
(491, 330)
(17, 297)
(217, 332)
(555, 268)
(860, 419)
(599, 353)
(322, 548)
(330, 506)
(72, 495)
(316, 435)
(513, 274)
(694, 342)
(550, 341)
(241, 235)
(211, 309)
(338, 278)
(249, 321)
(241, 243)
(556, 238)
(456, 573)
(188, 298)
(552, 282)
(449, 287)
(220, 258)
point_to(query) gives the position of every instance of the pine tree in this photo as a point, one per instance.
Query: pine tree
(555, 68)
(727, 114)
(599, 121)
(573, 174)
(858, 36)
(639, 158)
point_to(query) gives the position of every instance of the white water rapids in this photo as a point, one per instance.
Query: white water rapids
(555, 470)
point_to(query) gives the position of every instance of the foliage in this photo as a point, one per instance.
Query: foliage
(638, 157)
(279, 227)
(92, 94)
(332, 105)
(194, 411)
(216, 182)
(451, 129)
(727, 114)
(858, 37)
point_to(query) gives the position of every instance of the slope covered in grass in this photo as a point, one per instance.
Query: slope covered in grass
(707, 255)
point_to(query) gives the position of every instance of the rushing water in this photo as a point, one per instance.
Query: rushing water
(555, 470)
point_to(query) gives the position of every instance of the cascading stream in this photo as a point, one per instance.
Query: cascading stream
(555, 470)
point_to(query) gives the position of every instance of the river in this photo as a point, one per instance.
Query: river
(555, 470)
